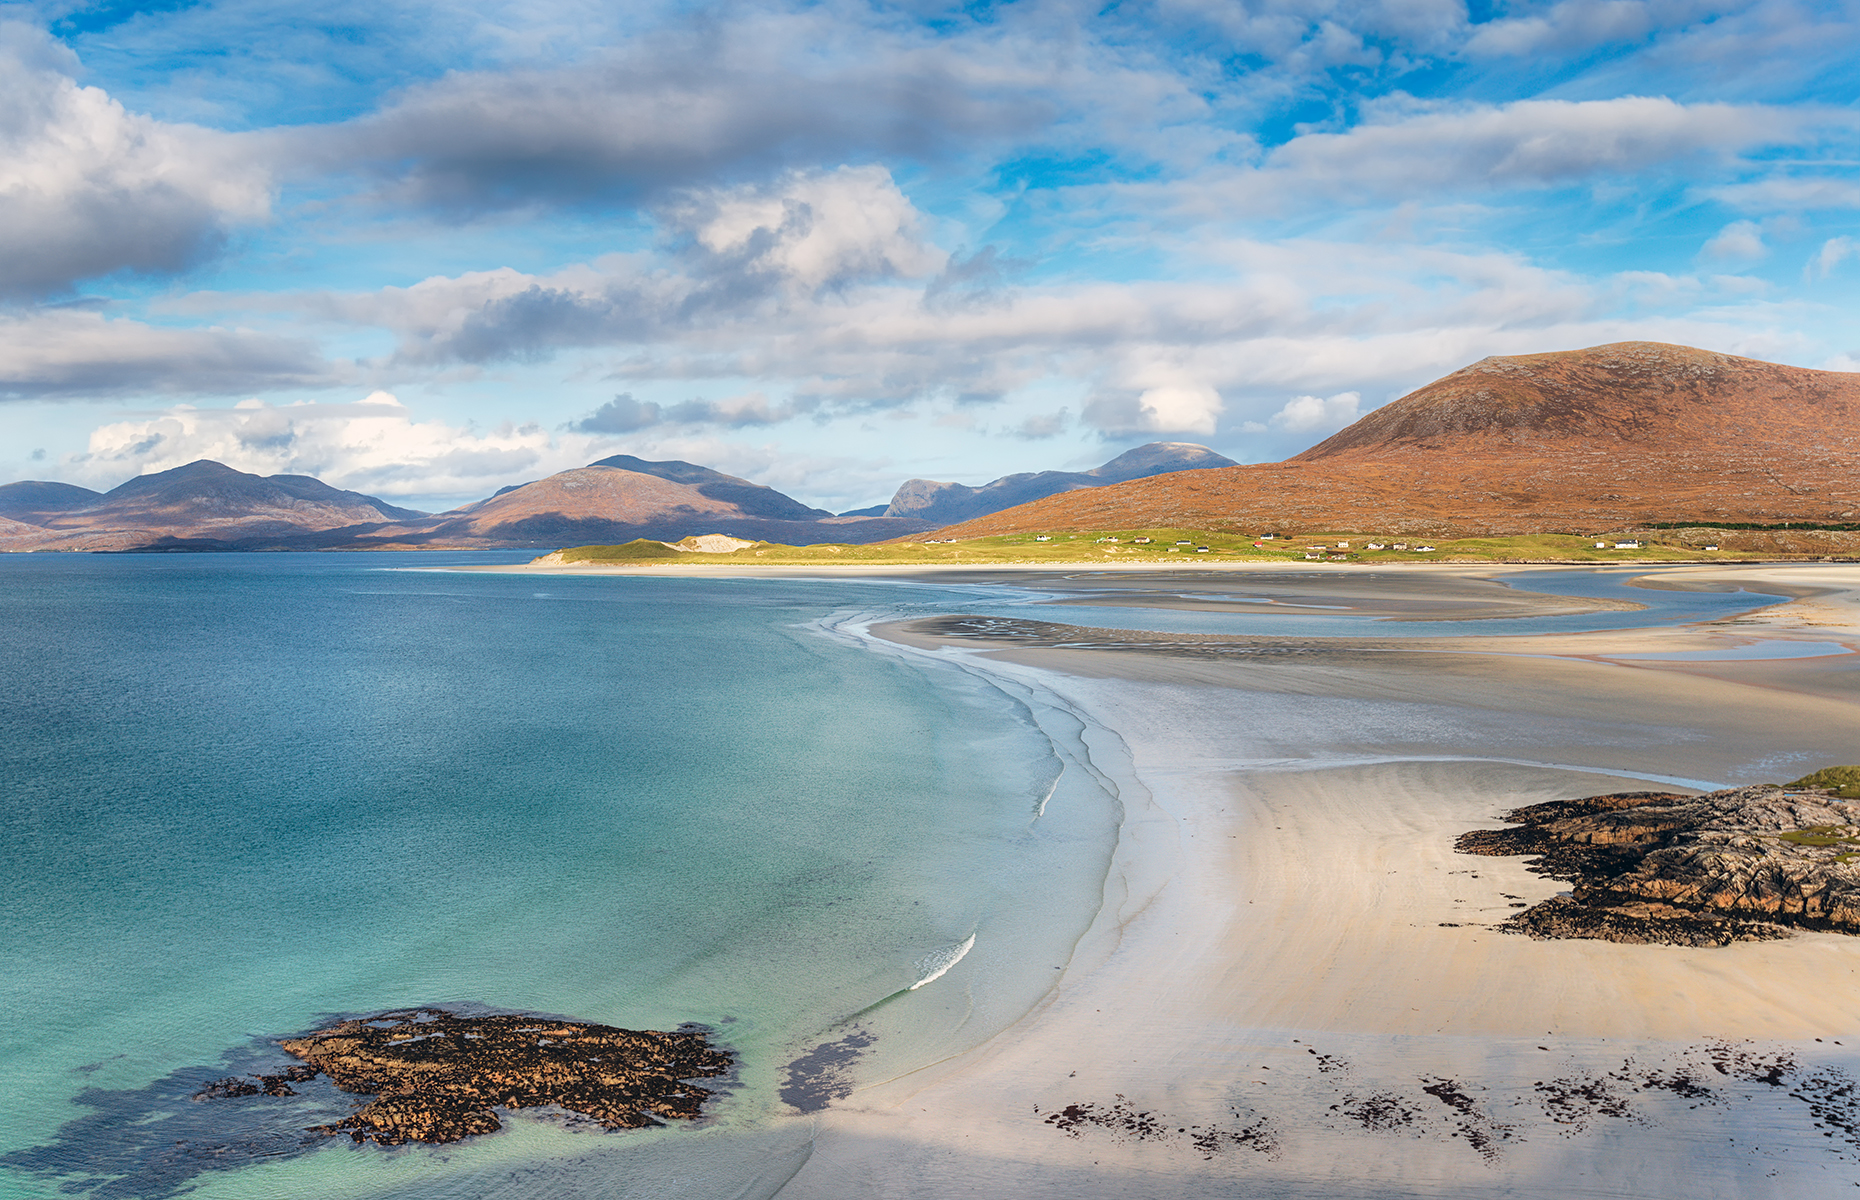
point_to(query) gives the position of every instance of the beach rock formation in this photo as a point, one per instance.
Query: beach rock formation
(436, 1076)
(1582, 441)
(1735, 865)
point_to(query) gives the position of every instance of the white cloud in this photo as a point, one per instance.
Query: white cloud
(1185, 407)
(1530, 143)
(374, 446)
(73, 351)
(1411, 149)
(812, 229)
(1789, 194)
(88, 188)
(1832, 252)
(1317, 414)
(1577, 25)
(693, 103)
(1740, 241)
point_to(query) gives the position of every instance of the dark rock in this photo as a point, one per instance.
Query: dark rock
(1727, 866)
(437, 1076)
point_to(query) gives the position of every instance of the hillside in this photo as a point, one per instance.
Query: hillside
(1611, 437)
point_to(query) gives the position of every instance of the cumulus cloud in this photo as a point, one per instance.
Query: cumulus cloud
(1156, 398)
(88, 188)
(1740, 241)
(809, 231)
(374, 446)
(1315, 414)
(77, 352)
(754, 250)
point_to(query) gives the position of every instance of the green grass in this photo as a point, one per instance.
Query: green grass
(1818, 835)
(1097, 547)
(1844, 780)
(637, 550)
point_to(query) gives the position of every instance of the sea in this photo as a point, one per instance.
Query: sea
(244, 795)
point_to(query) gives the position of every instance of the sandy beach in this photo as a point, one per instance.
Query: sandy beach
(1293, 989)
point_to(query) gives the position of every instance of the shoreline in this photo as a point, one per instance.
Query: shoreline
(1288, 936)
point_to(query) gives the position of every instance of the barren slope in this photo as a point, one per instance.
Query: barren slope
(1606, 438)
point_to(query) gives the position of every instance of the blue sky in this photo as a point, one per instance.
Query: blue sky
(425, 251)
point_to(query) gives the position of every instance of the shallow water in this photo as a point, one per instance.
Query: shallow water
(243, 792)
(1662, 607)
(1769, 648)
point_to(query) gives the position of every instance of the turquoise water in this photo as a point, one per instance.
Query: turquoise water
(244, 792)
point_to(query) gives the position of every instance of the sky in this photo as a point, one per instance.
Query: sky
(428, 250)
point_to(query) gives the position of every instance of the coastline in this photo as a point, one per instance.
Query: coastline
(1293, 968)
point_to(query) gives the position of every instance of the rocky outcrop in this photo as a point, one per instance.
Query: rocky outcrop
(1735, 865)
(436, 1076)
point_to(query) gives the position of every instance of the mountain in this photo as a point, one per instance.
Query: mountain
(203, 504)
(622, 498)
(208, 506)
(750, 499)
(33, 500)
(1576, 441)
(945, 503)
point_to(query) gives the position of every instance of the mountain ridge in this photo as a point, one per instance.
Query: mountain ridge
(931, 500)
(206, 505)
(1614, 436)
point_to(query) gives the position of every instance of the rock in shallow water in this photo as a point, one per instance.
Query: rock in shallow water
(436, 1077)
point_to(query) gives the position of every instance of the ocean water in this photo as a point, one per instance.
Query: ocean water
(242, 793)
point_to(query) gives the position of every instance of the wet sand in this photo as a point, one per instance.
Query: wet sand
(1292, 989)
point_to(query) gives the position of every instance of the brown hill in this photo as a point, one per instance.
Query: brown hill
(203, 504)
(609, 504)
(1612, 437)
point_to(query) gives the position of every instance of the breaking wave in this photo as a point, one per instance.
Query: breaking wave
(934, 966)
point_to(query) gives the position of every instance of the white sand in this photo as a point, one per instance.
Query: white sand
(1290, 956)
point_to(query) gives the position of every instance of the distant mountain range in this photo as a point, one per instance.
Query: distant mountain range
(1611, 437)
(208, 506)
(947, 503)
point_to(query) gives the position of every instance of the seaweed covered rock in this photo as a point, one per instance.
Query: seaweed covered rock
(436, 1076)
(1734, 865)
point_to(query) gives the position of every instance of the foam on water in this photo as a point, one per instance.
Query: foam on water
(937, 965)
